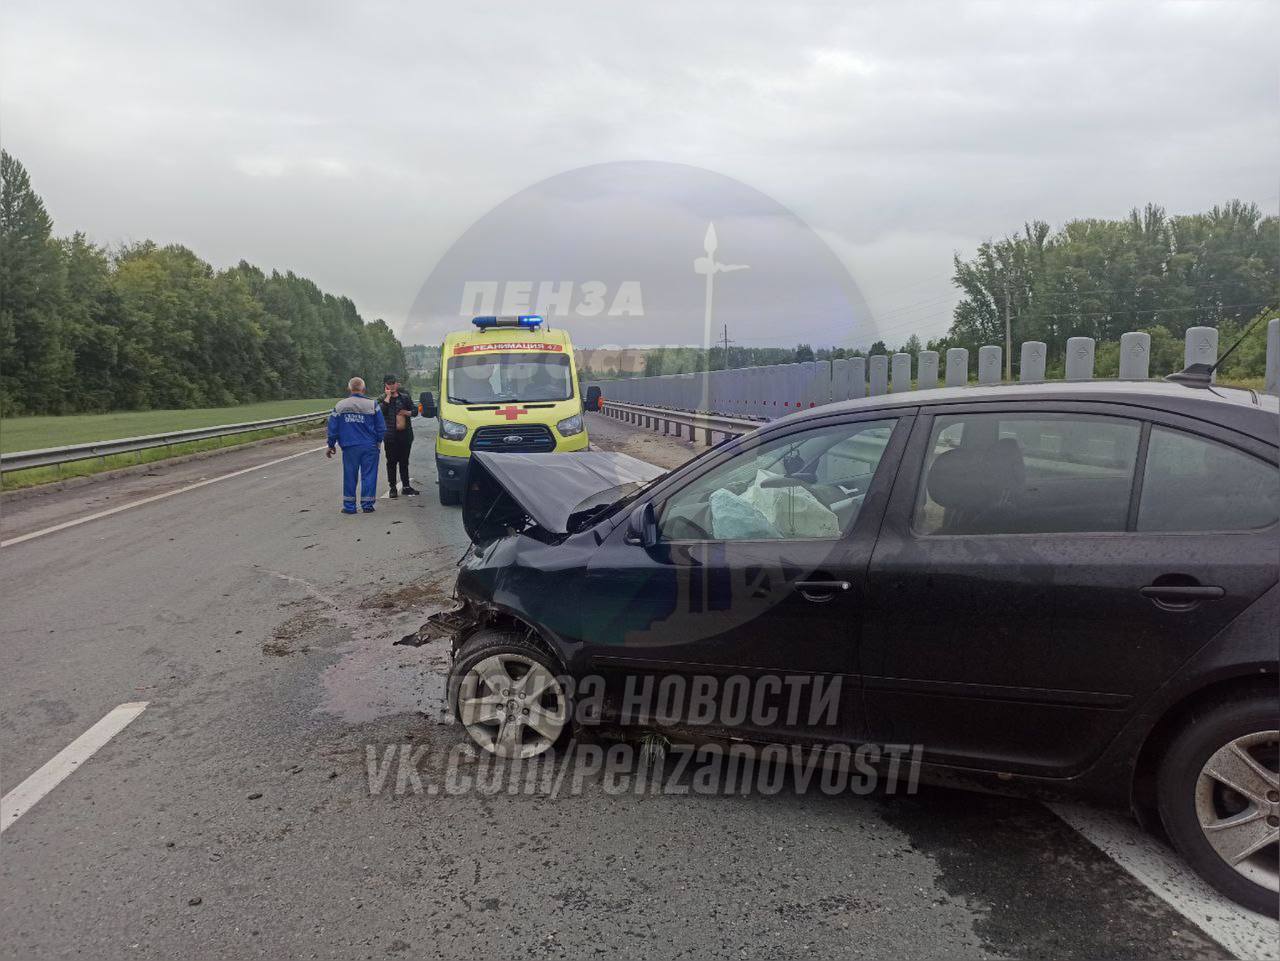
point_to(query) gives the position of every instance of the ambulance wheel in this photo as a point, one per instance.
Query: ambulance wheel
(450, 497)
(509, 695)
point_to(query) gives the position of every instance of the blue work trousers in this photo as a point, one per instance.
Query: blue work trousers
(361, 462)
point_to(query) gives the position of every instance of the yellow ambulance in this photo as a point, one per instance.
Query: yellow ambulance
(508, 386)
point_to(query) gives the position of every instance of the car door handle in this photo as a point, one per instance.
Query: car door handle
(1180, 598)
(1182, 592)
(821, 591)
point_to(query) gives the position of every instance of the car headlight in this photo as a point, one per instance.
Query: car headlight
(570, 426)
(452, 430)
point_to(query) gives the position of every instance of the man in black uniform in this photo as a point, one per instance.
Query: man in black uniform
(397, 408)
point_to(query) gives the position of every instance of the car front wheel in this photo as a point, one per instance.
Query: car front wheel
(1219, 799)
(505, 690)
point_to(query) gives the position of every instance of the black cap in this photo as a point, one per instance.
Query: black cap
(391, 379)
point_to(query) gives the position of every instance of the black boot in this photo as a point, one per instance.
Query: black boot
(394, 495)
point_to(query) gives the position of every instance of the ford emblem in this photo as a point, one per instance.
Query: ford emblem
(512, 439)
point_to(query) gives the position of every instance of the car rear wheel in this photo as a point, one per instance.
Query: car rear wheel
(505, 690)
(1219, 799)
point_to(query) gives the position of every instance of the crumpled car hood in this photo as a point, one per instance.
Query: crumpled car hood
(544, 488)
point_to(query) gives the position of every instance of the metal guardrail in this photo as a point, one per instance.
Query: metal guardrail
(53, 456)
(680, 420)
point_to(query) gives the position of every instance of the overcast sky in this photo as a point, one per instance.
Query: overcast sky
(354, 143)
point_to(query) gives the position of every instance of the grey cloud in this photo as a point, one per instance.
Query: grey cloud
(354, 144)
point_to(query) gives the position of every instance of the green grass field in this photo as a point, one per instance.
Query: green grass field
(1251, 383)
(35, 476)
(33, 433)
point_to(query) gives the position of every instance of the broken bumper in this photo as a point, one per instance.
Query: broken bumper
(442, 624)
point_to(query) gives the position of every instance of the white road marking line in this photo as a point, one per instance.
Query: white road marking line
(18, 801)
(150, 500)
(1243, 933)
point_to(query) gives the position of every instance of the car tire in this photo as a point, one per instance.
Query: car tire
(1209, 822)
(449, 497)
(509, 694)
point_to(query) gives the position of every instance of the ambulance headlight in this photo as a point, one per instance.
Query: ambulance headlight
(570, 426)
(452, 430)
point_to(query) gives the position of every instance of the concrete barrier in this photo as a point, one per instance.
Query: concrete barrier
(989, 360)
(1079, 358)
(927, 369)
(900, 373)
(1201, 345)
(1031, 364)
(857, 377)
(957, 367)
(877, 375)
(1135, 356)
(774, 390)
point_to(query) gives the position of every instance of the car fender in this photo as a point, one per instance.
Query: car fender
(1243, 651)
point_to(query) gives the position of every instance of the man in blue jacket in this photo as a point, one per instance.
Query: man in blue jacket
(357, 425)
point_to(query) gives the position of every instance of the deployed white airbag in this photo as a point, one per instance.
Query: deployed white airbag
(792, 511)
(735, 518)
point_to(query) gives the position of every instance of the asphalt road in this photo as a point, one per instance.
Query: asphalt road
(234, 817)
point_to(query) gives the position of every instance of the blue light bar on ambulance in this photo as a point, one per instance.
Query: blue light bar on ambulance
(527, 321)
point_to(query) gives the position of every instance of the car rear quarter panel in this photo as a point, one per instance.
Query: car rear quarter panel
(1242, 657)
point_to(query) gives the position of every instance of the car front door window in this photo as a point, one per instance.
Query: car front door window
(807, 485)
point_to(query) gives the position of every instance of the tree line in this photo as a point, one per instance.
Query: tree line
(1102, 278)
(145, 326)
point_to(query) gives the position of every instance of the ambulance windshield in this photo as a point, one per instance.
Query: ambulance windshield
(490, 378)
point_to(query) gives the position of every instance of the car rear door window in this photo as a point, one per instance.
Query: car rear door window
(1011, 473)
(806, 485)
(1193, 484)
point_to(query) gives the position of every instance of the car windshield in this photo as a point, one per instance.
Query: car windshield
(497, 377)
(603, 503)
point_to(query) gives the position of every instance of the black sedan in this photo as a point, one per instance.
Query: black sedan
(1064, 589)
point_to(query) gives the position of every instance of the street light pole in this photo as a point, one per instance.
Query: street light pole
(1008, 337)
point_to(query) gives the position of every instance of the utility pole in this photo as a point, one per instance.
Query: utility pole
(726, 346)
(1008, 336)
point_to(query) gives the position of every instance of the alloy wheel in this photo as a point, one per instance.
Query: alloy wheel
(1238, 805)
(512, 706)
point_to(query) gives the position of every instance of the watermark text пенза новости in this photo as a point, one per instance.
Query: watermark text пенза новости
(760, 701)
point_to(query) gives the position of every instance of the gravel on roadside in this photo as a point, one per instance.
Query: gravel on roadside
(653, 446)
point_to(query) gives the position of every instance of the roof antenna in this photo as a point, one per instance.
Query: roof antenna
(1201, 375)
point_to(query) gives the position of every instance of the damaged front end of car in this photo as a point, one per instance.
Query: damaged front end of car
(529, 518)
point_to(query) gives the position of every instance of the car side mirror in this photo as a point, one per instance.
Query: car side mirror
(642, 526)
(426, 404)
